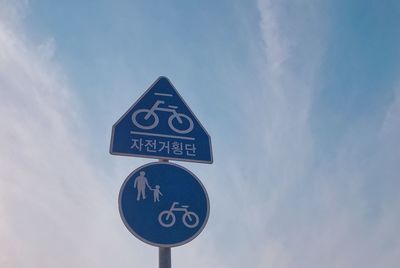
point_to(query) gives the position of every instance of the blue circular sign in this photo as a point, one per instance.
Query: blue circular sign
(163, 204)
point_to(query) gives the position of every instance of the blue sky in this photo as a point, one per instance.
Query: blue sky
(301, 98)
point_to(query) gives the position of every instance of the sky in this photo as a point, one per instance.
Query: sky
(301, 99)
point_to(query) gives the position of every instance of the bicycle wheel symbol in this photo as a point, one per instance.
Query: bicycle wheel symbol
(166, 218)
(148, 117)
(175, 122)
(190, 219)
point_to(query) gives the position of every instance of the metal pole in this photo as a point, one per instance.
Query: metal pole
(164, 254)
(164, 257)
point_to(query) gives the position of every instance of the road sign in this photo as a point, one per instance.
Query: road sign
(161, 125)
(163, 204)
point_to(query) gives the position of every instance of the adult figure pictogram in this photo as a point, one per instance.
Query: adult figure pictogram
(140, 184)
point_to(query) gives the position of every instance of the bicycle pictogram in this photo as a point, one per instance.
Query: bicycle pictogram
(167, 218)
(178, 122)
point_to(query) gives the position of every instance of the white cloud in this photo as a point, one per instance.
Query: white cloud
(332, 214)
(56, 208)
(269, 208)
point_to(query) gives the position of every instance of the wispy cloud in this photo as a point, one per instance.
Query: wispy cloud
(286, 203)
(273, 201)
(318, 213)
(56, 209)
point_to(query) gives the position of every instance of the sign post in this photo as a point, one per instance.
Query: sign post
(161, 203)
(164, 257)
(164, 254)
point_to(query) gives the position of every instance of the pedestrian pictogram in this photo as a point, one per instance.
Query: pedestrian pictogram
(161, 125)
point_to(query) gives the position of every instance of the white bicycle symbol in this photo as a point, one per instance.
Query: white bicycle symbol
(167, 217)
(152, 123)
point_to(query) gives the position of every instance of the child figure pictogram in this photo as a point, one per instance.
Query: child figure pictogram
(156, 193)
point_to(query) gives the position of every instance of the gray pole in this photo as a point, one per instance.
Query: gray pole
(164, 254)
(164, 257)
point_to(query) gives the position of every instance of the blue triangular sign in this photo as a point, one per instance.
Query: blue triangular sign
(161, 125)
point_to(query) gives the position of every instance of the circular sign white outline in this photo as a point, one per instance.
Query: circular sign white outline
(150, 242)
